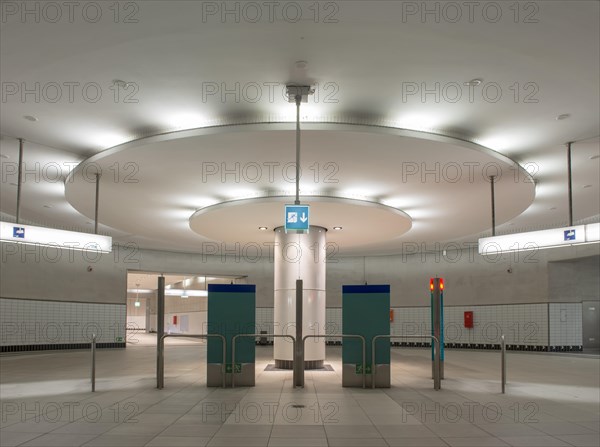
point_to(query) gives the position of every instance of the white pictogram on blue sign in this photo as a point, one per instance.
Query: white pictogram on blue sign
(297, 217)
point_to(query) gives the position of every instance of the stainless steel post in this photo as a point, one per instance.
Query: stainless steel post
(503, 362)
(299, 351)
(437, 364)
(436, 324)
(19, 180)
(298, 102)
(570, 185)
(93, 346)
(97, 203)
(492, 180)
(160, 331)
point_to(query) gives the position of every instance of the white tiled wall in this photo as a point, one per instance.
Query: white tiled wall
(264, 319)
(521, 324)
(333, 315)
(33, 322)
(565, 324)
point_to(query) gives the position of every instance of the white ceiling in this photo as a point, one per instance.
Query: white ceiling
(364, 62)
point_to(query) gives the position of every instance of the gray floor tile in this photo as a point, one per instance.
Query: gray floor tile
(59, 440)
(533, 441)
(416, 442)
(178, 441)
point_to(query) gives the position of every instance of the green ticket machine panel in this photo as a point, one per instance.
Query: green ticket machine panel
(366, 312)
(231, 311)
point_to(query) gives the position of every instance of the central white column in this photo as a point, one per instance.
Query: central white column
(300, 256)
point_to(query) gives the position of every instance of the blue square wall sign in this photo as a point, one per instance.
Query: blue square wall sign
(19, 232)
(569, 235)
(297, 217)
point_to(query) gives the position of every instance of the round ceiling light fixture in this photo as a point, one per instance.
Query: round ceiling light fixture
(475, 82)
(337, 228)
(263, 228)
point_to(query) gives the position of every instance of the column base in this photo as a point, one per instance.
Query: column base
(308, 364)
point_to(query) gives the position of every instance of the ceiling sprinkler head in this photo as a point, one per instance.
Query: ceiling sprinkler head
(301, 90)
(120, 83)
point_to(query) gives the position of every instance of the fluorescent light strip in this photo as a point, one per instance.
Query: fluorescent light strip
(535, 240)
(188, 292)
(49, 237)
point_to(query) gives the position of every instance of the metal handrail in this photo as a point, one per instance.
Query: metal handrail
(233, 340)
(364, 354)
(160, 379)
(93, 375)
(503, 362)
(436, 358)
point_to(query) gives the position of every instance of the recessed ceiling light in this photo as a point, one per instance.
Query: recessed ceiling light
(263, 228)
(587, 186)
(594, 157)
(30, 118)
(475, 82)
(564, 116)
(337, 228)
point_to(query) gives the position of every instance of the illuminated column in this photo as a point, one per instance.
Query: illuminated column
(300, 256)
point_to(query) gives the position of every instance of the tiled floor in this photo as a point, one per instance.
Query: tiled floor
(551, 400)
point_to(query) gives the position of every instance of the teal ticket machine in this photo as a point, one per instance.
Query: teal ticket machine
(231, 311)
(365, 312)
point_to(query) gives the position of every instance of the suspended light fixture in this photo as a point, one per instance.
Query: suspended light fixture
(535, 240)
(184, 295)
(137, 296)
(188, 293)
(21, 234)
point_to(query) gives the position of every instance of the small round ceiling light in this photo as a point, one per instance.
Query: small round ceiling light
(263, 228)
(337, 228)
